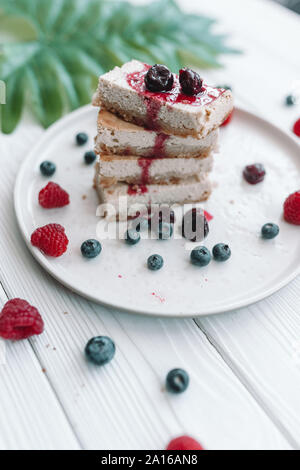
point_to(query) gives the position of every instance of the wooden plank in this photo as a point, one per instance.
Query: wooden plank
(124, 405)
(261, 344)
(31, 416)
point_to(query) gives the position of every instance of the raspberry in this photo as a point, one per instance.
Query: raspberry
(52, 196)
(20, 320)
(227, 120)
(184, 443)
(291, 208)
(50, 239)
(296, 128)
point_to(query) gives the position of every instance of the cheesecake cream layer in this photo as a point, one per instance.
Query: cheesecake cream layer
(123, 138)
(190, 190)
(147, 170)
(118, 94)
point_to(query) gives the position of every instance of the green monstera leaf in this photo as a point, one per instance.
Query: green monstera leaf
(52, 51)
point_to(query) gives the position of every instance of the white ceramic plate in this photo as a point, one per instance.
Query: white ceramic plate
(119, 276)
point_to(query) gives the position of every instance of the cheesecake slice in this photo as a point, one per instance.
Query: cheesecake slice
(147, 170)
(122, 91)
(116, 136)
(123, 200)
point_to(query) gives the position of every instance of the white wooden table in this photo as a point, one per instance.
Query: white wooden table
(244, 366)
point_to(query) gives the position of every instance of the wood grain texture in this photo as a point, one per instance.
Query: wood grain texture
(261, 344)
(30, 412)
(244, 370)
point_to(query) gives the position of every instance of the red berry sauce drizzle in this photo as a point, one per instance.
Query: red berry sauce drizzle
(145, 163)
(158, 152)
(141, 188)
(159, 146)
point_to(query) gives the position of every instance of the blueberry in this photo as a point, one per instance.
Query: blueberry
(165, 231)
(255, 173)
(47, 168)
(81, 138)
(190, 81)
(159, 78)
(269, 231)
(140, 224)
(89, 157)
(100, 350)
(177, 381)
(155, 262)
(132, 237)
(221, 252)
(290, 100)
(91, 248)
(200, 256)
(194, 225)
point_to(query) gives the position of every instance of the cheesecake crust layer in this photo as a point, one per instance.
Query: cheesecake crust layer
(122, 138)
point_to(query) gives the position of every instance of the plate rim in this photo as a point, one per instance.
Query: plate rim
(45, 264)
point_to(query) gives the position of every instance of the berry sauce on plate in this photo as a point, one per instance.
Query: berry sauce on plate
(154, 100)
(159, 146)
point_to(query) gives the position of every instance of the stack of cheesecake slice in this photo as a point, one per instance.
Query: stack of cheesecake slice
(155, 148)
